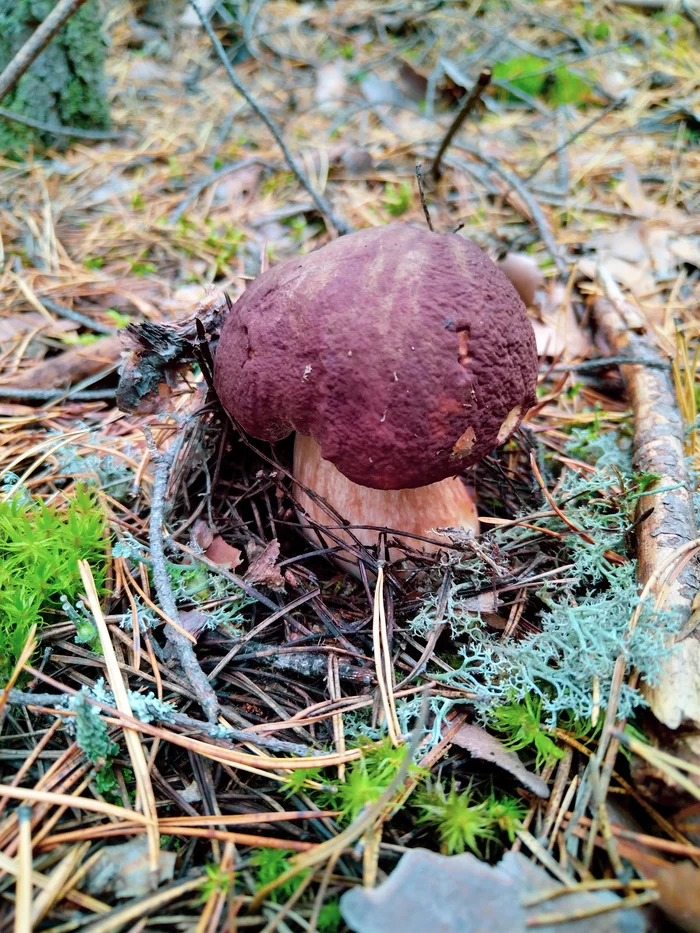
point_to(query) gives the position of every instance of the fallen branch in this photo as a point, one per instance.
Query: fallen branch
(36, 43)
(658, 449)
(323, 206)
(183, 648)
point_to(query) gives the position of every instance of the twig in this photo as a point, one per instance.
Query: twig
(658, 449)
(36, 44)
(57, 129)
(185, 653)
(572, 138)
(516, 183)
(421, 192)
(78, 317)
(56, 700)
(324, 207)
(473, 98)
(197, 187)
(51, 395)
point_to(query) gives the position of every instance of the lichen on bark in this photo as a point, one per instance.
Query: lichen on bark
(65, 85)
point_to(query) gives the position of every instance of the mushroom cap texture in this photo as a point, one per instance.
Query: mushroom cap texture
(407, 354)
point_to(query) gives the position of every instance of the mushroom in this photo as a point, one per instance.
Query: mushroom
(400, 357)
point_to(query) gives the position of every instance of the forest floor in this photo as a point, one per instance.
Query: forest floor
(207, 724)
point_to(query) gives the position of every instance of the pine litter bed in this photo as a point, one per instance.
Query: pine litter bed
(106, 737)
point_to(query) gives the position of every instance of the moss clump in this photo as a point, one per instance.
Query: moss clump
(40, 547)
(65, 85)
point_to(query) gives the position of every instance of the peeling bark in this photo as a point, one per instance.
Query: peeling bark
(658, 449)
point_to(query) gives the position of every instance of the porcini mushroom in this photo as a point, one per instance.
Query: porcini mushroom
(399, 356)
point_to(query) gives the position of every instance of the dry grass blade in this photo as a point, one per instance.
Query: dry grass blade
(133, 742)
(67, 800)
(382, 659)
(116, 919)
(57, 881)
(23, 888)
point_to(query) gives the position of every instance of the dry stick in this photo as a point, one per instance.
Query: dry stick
(572, 138)
(658, 449)
(36, 43)
(57, 129)
(324, 207)
(185, 653)
(473, 98)
(23, 889)
(421, 192)
(132, 740)
(516, 183)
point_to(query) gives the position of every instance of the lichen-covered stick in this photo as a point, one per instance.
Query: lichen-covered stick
(186, 656)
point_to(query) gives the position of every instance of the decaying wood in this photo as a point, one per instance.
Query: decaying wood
(658, 449)
(154, 353)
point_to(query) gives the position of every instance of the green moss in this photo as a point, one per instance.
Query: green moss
(40, 547)
(66, 83)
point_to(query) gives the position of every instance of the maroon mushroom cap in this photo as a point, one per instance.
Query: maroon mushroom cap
(407, 354)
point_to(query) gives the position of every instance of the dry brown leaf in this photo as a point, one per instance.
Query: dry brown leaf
(203, 534)
(679, 894)
(557, 330)
(263, 568)
(481, 744)
(223, 554)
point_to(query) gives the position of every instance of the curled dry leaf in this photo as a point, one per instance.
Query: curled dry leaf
(263, 569)
(223, 554)
(461, 894)
(480, 744)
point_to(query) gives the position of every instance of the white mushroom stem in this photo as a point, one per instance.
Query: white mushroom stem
(448, 503)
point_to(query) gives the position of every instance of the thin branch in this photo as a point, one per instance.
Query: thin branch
(36, 44)
(323, 206)
(185, 653)
(572, 138)
(421, 192)
(516, 183)
(473, 98)
(83, 319)
(57, 129)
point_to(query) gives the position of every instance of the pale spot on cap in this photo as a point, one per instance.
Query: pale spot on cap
(509, 425)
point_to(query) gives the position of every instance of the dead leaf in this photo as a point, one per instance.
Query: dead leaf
(123, 870)
(13, 327)
(557, 330)
(223, 554)
(262, 568)
(427, 893)
(69, 367)
(679, 894)
(331, 85)
(203, 534)
(412, 82)
(524, 274)
(481, 744)
(357, 161)
(193, 621)
(155, 353)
